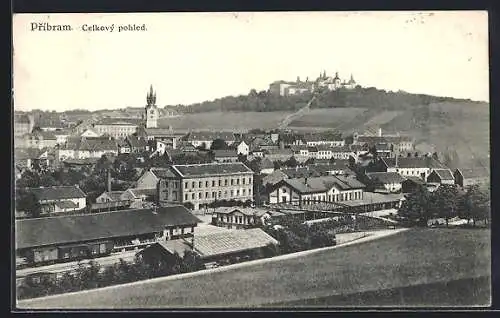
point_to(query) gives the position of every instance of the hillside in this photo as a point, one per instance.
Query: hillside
(415, 258)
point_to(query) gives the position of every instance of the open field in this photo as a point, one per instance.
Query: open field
(415, 258)
(327, 117)
(225, 121)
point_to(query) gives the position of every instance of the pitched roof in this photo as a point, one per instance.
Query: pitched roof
(208, 169)
(406, 162)
(98, 144)
(159, 132)
(266, 163)
(135, 142)
(21, 119)
(221, 243)
(67, 229)
(414, 179)
(66, 204)
(246, 211)
(300, 172)
(475, 173)
(119, 121)
(444, 174)
(162, 173)
(323, 184)
(225, 153)
(385, 177)
(57, 193)
(114, 195)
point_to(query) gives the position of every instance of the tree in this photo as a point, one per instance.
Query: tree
(278, 164)
(416, 154)
(475, 204)
(27, 201)
(310, 161)
(415, 209)
(219, 144)
(445, 202)
(292, 162)
(189, 205)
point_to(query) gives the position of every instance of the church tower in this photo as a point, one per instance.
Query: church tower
(151, 111)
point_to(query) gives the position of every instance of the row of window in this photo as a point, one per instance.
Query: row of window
(234, 219)
(216, 195)
(220, 182)
(357, 195)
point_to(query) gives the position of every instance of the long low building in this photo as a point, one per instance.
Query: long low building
(69, 237)
(316, 189)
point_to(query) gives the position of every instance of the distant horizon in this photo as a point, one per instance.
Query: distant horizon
(215, 55)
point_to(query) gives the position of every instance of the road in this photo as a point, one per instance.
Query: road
(288, 119)
(414, 257)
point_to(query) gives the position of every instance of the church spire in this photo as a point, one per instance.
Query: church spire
(151, 97)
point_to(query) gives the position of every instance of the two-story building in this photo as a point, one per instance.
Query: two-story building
(202, 184)
(326, 138)
(411, 167)
(60, 199)
(316, 189)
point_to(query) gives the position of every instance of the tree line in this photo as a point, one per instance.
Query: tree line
(446, 202)
(265, 101)
(93, 275)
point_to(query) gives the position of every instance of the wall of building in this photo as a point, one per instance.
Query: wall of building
(147, 181)
(116, 131)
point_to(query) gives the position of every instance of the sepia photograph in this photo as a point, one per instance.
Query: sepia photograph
(251, 160)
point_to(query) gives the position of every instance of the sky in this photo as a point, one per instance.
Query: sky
(194, 57)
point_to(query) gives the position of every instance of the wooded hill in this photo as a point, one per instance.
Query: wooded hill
(359, 97)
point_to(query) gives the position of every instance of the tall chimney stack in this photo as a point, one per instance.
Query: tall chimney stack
(109, 180)
(380, 132)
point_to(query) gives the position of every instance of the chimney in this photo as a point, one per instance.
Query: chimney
(397, 156)
(305, 181)
(109, 180)
(380, 132)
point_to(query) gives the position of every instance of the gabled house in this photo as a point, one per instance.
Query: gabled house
(266, 166)
(388, 182)
(441, 176)
(109, 196)
(316, 189)
(60, 199)
(90, 133)
(123, 147)
(137, 144)
(410, 167)
(238, 218)
(412, 184)
(138, 195)
(467, 177)
(242, 148)
(150, 178)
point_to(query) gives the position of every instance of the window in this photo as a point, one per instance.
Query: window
(206, 184)
(220, 193)
(213, 183)
(200, 184)
(232, 182)
(225, 182)
(185, 185)
(193, 184)
(243, 180)
(220, 182)
(214, 194)
(185, 196)
(192, 196)
(238, 192)
(238, 181)
(206, 195)
(249, 191)
(199, 195)
(244, 191)
(232, 193)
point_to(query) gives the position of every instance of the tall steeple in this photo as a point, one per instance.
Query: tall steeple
(151, 97)
(151, 112)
